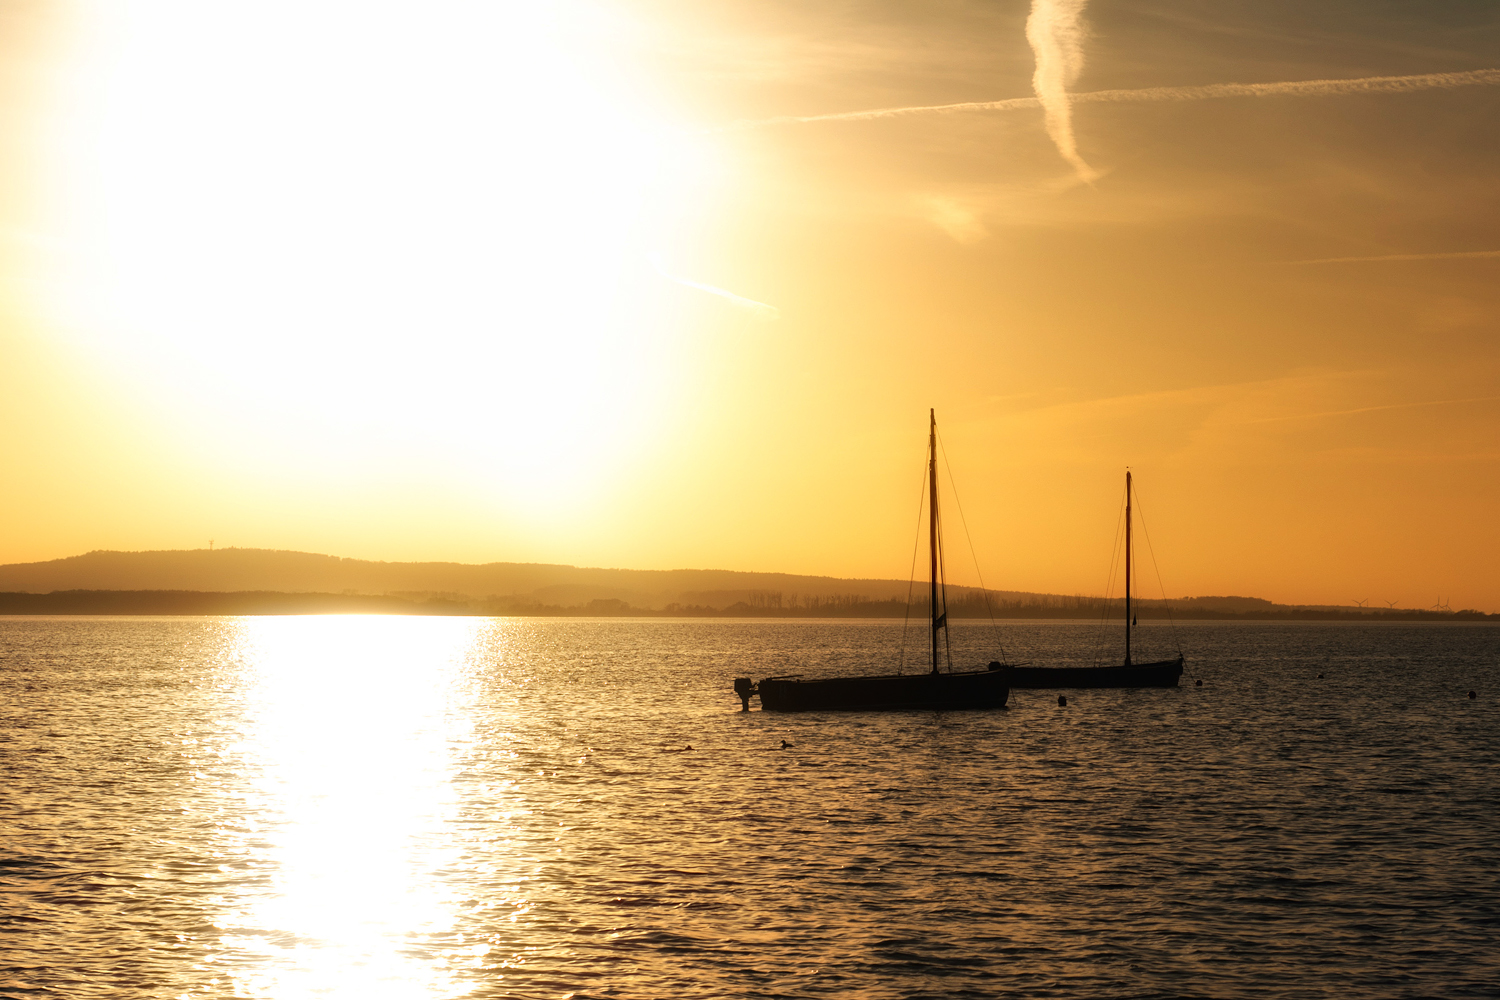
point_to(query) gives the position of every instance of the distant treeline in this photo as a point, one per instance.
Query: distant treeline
(970, 605)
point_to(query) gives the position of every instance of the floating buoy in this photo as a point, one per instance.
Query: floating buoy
(1062, 701)
(1472, 696)
(1199, 683)
(1320, 677)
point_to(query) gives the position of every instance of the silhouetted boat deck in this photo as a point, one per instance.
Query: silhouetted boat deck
(957, 690)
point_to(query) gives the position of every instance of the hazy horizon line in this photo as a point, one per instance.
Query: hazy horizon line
(810, 576)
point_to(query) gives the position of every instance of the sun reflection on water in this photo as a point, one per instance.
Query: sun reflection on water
(349, 736)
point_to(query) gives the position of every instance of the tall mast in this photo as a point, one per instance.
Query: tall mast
(938, 620)
(1127, 567)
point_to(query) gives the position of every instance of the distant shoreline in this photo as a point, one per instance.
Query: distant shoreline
(192, 603)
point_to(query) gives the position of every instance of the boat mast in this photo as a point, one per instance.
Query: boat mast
(938, 620)
(1127, 567)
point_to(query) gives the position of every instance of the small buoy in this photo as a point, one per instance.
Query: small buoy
(1198, 683)
(1062, 701)
(1472, 696)
(1320, 677)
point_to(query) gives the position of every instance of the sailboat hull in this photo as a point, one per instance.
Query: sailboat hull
(974, 689)
(966, 689)
(1162, 674)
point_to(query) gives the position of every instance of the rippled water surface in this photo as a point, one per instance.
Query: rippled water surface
(419, 808)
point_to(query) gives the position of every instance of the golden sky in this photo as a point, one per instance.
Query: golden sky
(636, 283)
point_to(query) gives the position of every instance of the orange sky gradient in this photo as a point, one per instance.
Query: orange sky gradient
(559, 283)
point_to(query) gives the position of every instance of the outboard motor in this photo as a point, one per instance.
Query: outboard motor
(744, 687)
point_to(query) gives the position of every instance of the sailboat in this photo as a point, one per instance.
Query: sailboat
(986, 687)
(1159, 673)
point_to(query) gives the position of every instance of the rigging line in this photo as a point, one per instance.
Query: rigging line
(911, 579)
(1171, 622)
(1101, 639)
(943, 591)
(973, 553)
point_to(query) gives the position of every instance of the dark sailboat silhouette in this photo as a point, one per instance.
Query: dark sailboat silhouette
(936, 689)
(1159, 673)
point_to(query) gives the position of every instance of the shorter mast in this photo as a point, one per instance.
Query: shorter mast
(1127, 567)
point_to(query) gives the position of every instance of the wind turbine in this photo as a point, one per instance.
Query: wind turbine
(1390, 604)
(1360, 604)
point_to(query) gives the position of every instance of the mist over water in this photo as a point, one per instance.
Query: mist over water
(442, 807)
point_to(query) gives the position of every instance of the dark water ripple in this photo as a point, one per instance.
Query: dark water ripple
(371, 807)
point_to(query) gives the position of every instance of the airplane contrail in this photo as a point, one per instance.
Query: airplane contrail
(1457, 255)
(1055, 31)
(759, 310)
(1288, 88)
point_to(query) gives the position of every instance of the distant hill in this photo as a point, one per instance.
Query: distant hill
(268, 581)
(263, 570)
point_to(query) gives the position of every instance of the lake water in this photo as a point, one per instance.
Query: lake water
(417, 808)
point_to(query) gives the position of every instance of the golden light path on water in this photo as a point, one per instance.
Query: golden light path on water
(351, 729)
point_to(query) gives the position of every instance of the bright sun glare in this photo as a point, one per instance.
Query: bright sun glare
(342, 228)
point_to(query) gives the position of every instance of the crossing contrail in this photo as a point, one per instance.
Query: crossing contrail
(1287, 88)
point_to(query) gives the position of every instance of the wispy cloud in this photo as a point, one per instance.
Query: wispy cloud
(955, 218)
(1239, 400)
(759, 310)
(1288, 88)
(1374, 409)
(1459, 255)
(1056, 32)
